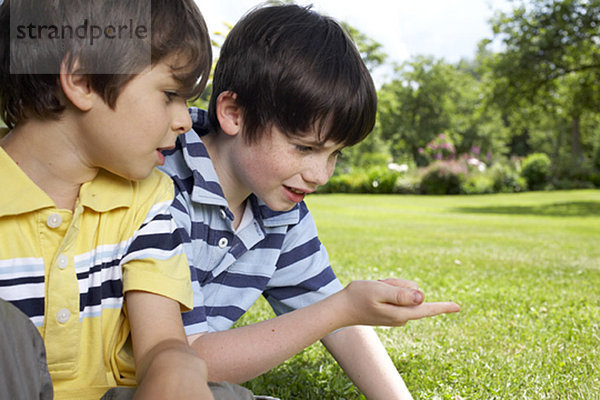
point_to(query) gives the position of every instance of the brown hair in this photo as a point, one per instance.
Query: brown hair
(177, 28)
(294, 68)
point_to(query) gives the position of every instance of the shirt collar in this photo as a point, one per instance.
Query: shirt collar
(272, 219)
(206, 186)
(22, 195)
(106, 192)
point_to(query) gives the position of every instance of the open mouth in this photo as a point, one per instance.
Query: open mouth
(296, 191)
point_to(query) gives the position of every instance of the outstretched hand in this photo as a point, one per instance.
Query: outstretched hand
(389, 302)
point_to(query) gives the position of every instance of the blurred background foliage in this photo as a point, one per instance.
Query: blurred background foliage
(530, 92)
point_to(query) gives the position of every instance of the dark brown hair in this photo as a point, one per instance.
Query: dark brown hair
(299, 70)
(176, 28)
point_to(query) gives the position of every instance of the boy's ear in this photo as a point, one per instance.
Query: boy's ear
(76, 87)
(229, 113)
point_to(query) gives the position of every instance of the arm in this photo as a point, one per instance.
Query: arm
(361, 355)
(240, 354)
(166, 367)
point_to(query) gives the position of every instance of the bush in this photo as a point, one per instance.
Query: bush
(381, 180)
(568, 184)
(407, 184)
(595, 179)
(506, 178)
(372, 180)
(443, 177)
(570, 173)
(536, 171)
(478, 184)
(346, 183)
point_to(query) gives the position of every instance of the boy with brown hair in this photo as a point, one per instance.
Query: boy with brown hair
(290, 91)
(82, 198)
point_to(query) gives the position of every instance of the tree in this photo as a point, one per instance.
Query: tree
(551, 60)
(430, 97)
(411, 111)
(370, 50)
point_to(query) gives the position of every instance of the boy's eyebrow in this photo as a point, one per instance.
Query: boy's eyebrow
(311, 142)
(180, 81)
(179, 78)
(316, 143)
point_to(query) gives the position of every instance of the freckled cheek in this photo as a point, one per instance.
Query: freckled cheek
(258, 166)
(286, 162)
(281, 170)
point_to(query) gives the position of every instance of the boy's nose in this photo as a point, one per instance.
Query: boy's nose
(319, 171)
(182, 122)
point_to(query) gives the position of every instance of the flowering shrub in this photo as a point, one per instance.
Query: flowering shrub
(477, 164)
(466, 174)
(443, 177)
(439, 149)
(398, 167)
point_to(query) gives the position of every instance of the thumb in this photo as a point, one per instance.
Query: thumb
(401, 296)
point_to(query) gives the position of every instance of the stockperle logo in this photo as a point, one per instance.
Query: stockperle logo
(87, 27)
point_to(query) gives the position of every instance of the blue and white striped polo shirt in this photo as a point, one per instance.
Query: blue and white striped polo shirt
(277, 254)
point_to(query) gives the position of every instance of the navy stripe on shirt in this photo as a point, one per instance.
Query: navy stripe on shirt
(299, 253)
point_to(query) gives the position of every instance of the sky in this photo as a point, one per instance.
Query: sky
(448, 29)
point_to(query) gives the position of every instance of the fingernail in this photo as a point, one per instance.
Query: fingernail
(417, 297)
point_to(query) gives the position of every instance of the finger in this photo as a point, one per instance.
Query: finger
(432, 309)
(405, 283)
(400, 296)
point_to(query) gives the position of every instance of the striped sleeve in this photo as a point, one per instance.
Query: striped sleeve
(195, 320)
(303, 275)
(155, 260)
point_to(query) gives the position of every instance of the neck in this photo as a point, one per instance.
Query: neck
(234, 190)
(49, 157)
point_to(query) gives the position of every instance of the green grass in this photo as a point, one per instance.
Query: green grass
(525, 269)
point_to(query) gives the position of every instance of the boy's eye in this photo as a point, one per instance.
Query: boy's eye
(303, 149)
(171, 96)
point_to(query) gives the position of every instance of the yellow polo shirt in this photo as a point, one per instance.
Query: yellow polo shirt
(68, 270)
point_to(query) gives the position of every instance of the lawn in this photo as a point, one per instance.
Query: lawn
(525, 269)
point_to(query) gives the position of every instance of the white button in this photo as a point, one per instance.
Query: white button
(63, 315)
(223, 213)
(223, 242)
(54, 220)
(62, 261)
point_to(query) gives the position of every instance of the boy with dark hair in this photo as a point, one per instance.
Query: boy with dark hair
(289, 92)
(82, 200)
